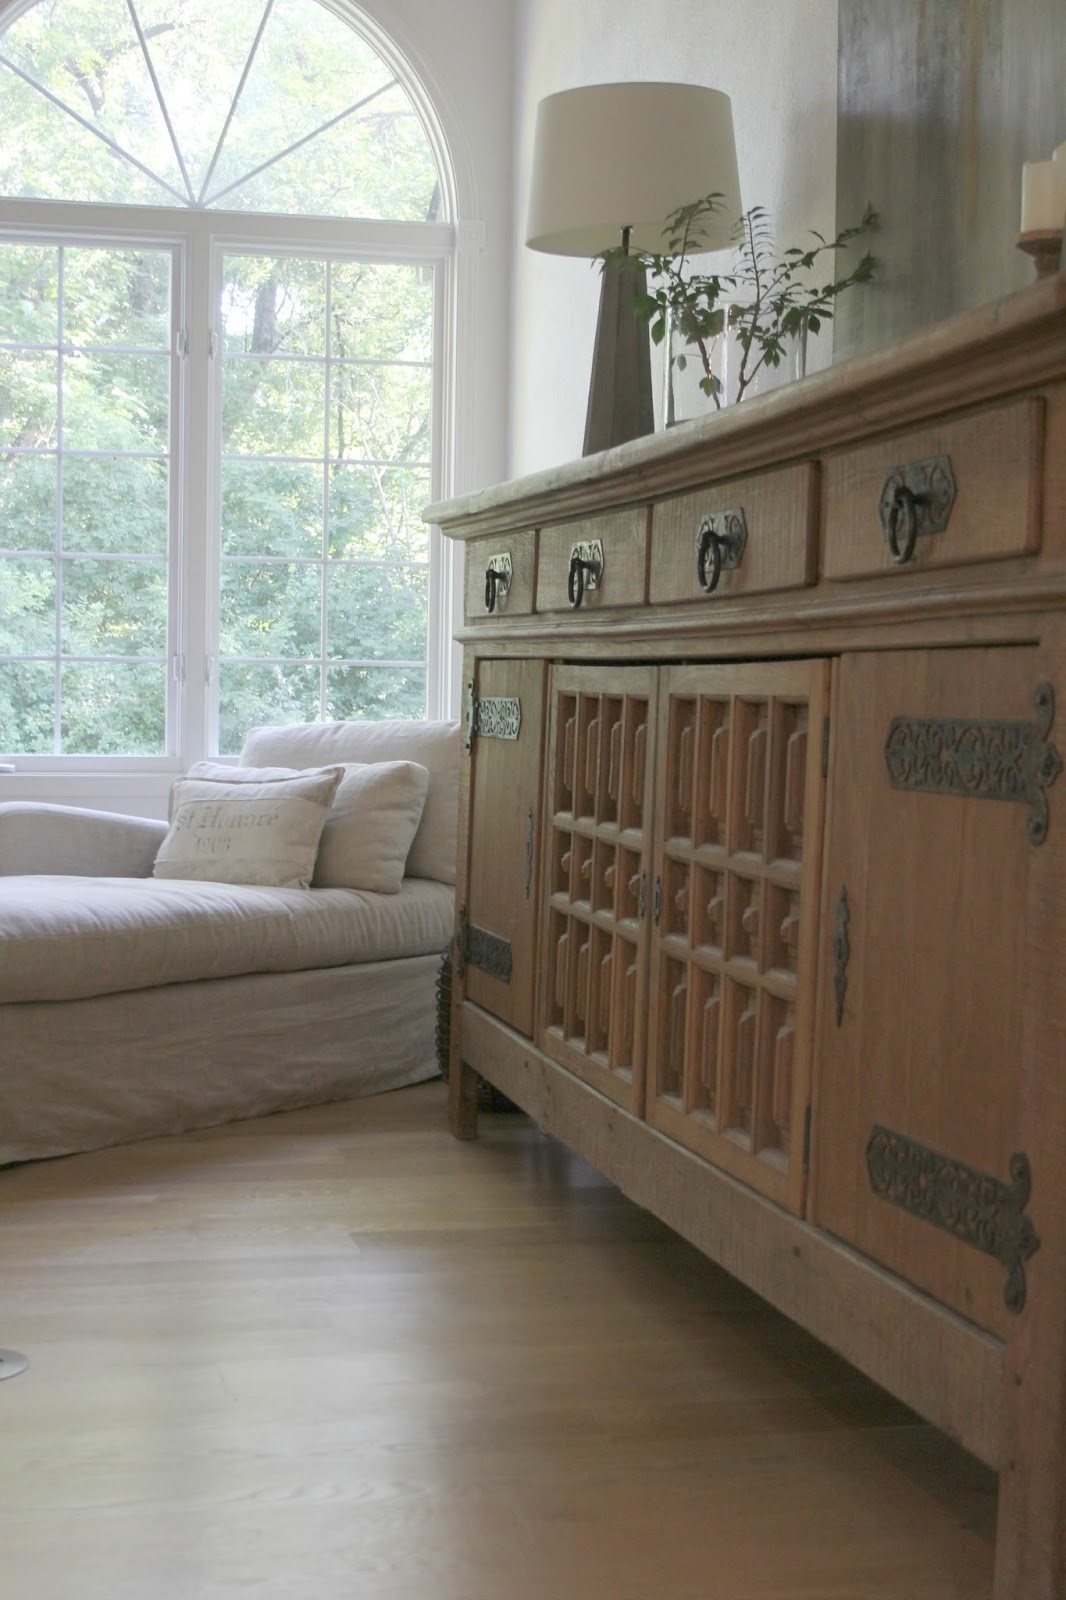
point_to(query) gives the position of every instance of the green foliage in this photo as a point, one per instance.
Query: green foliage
(324, 554)
(311, 71)
(766, 300)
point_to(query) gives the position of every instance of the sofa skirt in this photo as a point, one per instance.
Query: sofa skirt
(81, 1074)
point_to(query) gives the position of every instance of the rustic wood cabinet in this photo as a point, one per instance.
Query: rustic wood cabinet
(762, 880)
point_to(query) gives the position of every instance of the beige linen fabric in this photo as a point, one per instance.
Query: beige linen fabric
(64, 938)
(266, 832)
(434, 745)
(371, 823)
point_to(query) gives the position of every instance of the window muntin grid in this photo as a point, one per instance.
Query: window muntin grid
(277, 107)
(86, 419)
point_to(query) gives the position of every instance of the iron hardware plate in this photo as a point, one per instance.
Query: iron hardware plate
(486, 951)
(841, 953)
(982, 760)
(973, 1206)
(932, 488)
(492, 717)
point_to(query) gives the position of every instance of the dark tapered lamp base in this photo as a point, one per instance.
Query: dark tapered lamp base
(620, 398)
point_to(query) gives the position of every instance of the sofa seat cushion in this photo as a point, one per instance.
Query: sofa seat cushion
(66, 938)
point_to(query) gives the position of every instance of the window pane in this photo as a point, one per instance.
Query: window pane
(45, 154)
(114, 608)
(309, 69)
(116, 402)
(271, 609)
(27, 707)
(381, 311)
(29, 390)
(29, 294)
(381, 413)
(27, 607)
(273, 407)
(273, 306)
(376, 511)
(375, 692)
(116, 503)
(271, 508)
(111, 708)
(377, 613)
(375, 163)
(89, 57)
(117, 297)
(269, 694)
(27, 502)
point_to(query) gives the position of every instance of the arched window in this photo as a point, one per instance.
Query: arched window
(223, 256)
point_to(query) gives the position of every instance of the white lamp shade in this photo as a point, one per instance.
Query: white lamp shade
(626, 155)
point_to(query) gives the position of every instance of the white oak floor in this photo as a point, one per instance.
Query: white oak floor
(335, 1354)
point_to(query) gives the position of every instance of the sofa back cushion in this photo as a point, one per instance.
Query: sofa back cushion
(433, 745)
(266, 832)
(371, 823)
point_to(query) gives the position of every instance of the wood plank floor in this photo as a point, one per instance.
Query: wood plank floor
(335, 1354)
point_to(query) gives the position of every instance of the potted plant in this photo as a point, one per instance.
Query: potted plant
(766, 302)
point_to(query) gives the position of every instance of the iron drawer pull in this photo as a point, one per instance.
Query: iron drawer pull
(904, 508)
(710, 545)
(575, 583)
(494, 580)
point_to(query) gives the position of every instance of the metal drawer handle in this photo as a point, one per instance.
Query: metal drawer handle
(710, 545)
(903, 513)
(720, 545)
(916, 500)
(583, 575)
(497, 581)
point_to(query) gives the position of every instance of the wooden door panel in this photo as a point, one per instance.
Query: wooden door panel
(595, 876)
(498, 940)
(739, 803)
(923, 965)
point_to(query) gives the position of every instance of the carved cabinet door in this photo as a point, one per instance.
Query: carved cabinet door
(598, 827)
(497, 922)
(941, 772)
(737, 869)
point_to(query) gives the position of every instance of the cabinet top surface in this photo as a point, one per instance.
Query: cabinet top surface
(996, 350)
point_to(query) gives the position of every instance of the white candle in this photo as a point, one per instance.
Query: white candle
(1043, 196)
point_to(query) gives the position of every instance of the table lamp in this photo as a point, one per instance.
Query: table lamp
(611, 161)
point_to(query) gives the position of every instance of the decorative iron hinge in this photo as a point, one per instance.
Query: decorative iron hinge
(489, 717)
(981, 760)
(973, 1206)
(486, 951)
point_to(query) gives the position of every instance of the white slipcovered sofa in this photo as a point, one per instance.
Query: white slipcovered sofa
(134, 1005)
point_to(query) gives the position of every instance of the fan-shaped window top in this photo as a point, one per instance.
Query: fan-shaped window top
(229, 104)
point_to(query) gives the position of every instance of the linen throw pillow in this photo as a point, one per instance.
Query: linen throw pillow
(264, 832)
(370, 826)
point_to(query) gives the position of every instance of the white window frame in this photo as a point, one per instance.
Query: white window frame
(198, 239)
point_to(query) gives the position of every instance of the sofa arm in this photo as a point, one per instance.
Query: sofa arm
(66, 839)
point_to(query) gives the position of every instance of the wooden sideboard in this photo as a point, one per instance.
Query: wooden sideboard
(762, 886)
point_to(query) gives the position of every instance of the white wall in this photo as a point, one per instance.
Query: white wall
(777, 61)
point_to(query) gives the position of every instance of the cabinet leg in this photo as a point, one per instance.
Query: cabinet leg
(462, 1100)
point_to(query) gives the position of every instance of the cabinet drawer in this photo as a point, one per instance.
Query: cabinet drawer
(622, 537)
(486, 596)
(959, 491)
(776, 512)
